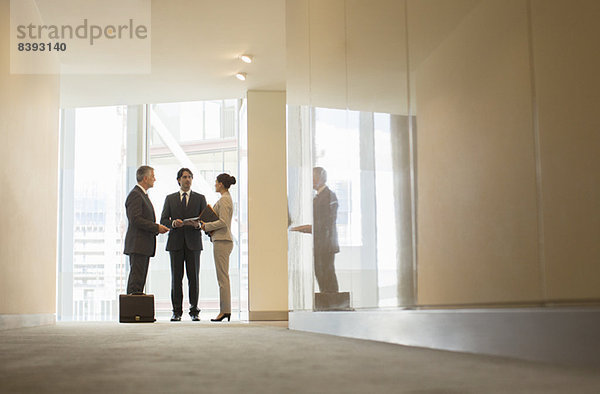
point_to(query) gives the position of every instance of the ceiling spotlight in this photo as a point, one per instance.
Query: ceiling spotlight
(246, 58)
(241, 76)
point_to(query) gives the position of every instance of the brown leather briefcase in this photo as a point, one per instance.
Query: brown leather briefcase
(136, 308)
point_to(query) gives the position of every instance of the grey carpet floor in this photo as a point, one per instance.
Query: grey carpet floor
(237, 357)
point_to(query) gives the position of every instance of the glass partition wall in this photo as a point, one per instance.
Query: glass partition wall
(352, 165)
(101, 148)
(352, 249)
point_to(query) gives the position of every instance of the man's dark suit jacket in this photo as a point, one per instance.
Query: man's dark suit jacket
(325, 236)
(142, 228)
(172, 210)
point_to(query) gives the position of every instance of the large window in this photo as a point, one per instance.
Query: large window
(342, 162)
(201, 136)
(100, 150)
(92, 269)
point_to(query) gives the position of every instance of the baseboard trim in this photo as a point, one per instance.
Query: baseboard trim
(11, 321)
(268, 316)
(566, 336)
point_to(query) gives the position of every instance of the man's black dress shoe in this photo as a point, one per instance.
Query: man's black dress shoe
(195, 317)
(176, 317)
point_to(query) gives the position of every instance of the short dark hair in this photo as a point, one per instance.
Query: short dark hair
(226, 179)
(180, 173)
(142, 172)
(321, 173)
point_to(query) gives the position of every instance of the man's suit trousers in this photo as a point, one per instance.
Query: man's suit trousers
(190, 259)
(325, 272)
(137, 274)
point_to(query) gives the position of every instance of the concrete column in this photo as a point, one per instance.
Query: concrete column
(29, 110)
(267, 210)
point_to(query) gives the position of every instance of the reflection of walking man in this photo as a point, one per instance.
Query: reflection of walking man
(325, 237)
(185, 242)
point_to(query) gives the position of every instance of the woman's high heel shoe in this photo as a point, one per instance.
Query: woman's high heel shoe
(222, 316)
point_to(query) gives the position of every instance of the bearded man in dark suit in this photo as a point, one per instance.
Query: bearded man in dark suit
(184, 243)
(140, 240)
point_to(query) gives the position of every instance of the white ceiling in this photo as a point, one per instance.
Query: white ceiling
(195, 49)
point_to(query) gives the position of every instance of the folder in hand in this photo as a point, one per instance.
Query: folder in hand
(207, 215)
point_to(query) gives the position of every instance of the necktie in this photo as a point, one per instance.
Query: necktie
(184, 200)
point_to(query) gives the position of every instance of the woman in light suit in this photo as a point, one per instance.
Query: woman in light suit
(220, 235)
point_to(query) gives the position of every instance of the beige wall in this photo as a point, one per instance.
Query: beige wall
(504, 94)
(565, 35)
(267, 210)
(508, 154)
(29, 179)
(477, 210)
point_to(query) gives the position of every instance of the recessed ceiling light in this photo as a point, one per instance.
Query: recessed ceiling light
(241, 76)
(246, 58)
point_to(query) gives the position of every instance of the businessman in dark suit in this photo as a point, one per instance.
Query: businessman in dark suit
(325, 237)
(324, 230)
(184, 243)
(142, 229)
